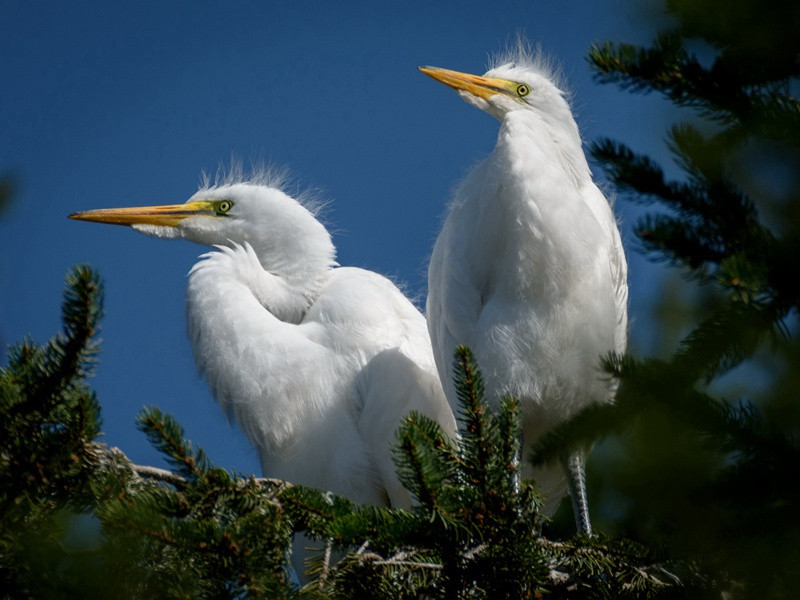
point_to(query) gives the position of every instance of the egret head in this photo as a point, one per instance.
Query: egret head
(521, 82)
(278, 227)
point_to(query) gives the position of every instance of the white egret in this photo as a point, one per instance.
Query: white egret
(528, 270)
(317, 363)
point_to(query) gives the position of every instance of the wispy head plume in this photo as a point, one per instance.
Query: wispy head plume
(521, 53)
(266, 174)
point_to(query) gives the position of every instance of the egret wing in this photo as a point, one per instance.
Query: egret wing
(388, 388)
(270, 375)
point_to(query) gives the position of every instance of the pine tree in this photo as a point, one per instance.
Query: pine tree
(706, 476)
(476, 530)
(49, 420)
(198, 531)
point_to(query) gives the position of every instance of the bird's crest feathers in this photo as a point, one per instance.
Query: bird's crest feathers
(267, 175)
(521, 54)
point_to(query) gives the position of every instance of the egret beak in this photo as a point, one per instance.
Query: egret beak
(169, 215)
(482, 87)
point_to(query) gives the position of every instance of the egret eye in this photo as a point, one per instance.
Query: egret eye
(523, 90)
(224, 206)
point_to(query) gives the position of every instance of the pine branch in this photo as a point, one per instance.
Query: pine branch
(113, 457)
(636, 173)
(700, 234)
(724, 340)
(50, 416)
(42, 374)
(400, 559)
(230, 529)
(653, 385)
(418, 444)
(718, 93)
(509, 430)
(168, 436)
(478, 438)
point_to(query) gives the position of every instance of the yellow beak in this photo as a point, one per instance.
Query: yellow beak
(168, 215)
(483, 87)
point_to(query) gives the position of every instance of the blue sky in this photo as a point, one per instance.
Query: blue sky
(126, 103)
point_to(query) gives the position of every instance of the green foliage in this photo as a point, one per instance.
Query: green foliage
(168, 436)
(80, 520)
(201, 533)
(49, 420)
(45, 400)
(476, 531)
(689, 470)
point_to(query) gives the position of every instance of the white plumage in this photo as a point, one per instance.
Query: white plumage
(528, 270)
(317, 363)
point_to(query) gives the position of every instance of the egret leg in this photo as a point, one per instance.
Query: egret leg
(574, 467)
(517, 462)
